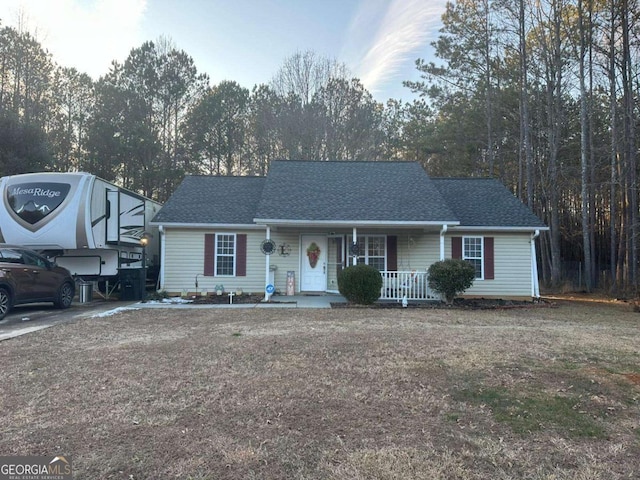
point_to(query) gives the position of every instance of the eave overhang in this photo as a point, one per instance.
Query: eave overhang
(497, 229)
(352, 223)
(242, 226)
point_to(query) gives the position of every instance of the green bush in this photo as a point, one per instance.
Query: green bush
(360, 284)
(451, 277)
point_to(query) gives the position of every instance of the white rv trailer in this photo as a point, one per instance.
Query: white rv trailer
(86, 224)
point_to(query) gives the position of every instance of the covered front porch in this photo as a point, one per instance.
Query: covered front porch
(401, 253)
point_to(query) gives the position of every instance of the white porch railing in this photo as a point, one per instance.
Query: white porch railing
(413, 285)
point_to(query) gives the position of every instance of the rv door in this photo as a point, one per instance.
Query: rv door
(113, 216)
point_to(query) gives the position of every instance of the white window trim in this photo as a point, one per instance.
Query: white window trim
(464, 257)
(235, 254)
(366, 248)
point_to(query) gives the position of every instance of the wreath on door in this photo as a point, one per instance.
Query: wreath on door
(313, 253)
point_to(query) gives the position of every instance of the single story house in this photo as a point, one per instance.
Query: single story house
(299, 226)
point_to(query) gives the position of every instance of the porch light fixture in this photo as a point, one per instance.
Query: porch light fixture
(145, 239)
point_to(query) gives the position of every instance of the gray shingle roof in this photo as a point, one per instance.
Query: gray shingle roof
(301, 191)
(485, 202)
(351, 191)
(205, 199)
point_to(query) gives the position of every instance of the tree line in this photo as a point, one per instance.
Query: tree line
(542, 95)
(154, 118)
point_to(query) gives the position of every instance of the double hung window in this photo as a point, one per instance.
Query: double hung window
(473, 252)
(372, 250)
(225, 254)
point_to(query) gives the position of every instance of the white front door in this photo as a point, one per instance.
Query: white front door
(313, 263)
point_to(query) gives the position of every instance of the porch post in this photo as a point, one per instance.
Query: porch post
(267, 265)
(354, 240)
(442, 232)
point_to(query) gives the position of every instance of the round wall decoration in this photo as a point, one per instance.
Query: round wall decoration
(268, 246)
(353, 249)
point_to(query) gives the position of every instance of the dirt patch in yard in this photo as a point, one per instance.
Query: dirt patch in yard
(633, 377)
(330, 394)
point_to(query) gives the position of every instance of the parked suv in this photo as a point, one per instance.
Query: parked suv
(28, 277)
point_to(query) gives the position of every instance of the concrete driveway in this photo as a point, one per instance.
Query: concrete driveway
(24, 319)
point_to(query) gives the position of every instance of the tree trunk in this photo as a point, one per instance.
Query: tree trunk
(584, 162)
(613, 151)
(554, 110)
(630, 150)
(488, 80)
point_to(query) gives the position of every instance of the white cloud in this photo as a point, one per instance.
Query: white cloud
(404, 28)
(85, 34)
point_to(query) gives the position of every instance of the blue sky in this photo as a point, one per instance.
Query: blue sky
(242, 40)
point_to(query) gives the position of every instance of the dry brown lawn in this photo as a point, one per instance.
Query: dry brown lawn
(539, 393)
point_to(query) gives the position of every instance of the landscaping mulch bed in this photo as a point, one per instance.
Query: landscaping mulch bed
(459, 303)
(224, 299)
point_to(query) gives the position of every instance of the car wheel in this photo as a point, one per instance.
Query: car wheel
(5, 302)
(65, 296)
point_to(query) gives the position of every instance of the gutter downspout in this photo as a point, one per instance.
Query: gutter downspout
(267, 262)
(535, 285)
(163, 257)
(442, 233)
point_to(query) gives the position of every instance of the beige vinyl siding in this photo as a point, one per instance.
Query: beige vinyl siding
(416, 251)
(285, 263)
(512, 265)
(184, 250)
(184, 259)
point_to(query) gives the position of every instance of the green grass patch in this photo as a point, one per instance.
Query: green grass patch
(535, 412)
(608, 359)
(452, 417)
